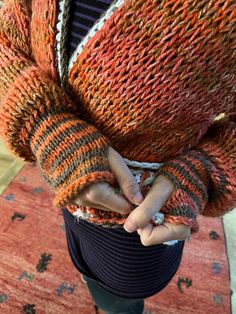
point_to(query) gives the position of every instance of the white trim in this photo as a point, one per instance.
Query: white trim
(143, 165)
(61, 36)
(97, 26)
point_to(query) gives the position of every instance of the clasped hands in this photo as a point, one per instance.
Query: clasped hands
(103, 196)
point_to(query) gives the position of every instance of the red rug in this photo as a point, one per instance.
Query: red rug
(37, 276)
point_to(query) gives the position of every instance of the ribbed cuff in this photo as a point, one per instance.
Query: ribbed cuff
(70, 192)
(190, 195)
(71, 154)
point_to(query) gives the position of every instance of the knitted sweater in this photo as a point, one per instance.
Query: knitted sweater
(154, 79)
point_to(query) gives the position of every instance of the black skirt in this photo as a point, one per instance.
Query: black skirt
(118, 261)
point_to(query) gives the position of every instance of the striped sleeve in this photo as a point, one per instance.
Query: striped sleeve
(205, 177)
(38, 120)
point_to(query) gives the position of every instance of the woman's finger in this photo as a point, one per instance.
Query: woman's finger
(109, 198)
(104, 195)
(151, 235)
(84, 203)
(124, 176)
(156, 198)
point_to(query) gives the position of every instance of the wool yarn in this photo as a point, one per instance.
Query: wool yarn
(151, 79)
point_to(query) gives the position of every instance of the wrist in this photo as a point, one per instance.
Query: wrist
(71, 154)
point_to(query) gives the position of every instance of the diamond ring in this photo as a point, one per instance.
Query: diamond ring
(158, 218)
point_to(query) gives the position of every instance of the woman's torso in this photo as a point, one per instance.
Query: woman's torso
(154, 74)
(116, 259)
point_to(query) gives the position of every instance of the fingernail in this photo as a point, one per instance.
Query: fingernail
(138, 198)
(130, 227)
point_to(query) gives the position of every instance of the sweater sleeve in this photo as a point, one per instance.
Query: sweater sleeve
(204, 177)
(38, 120)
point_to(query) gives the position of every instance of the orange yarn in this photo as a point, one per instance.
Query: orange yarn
(153, 80)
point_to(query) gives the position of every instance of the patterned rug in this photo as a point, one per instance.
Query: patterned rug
(37, 276)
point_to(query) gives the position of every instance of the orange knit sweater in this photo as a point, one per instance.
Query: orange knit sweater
(154, 79)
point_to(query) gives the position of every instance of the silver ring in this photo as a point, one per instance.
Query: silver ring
(158, 218)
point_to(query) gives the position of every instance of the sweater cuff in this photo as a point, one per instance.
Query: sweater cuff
(39, 125)
(190, 195)
(71, 191)
(71, 154)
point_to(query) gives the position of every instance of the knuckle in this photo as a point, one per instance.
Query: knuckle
(142, 218)
(93, 193)
(129, 184)
(99, 192)
(146, 241)
(147, 214)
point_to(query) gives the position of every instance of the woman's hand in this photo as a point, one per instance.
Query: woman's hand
(103, 196)
(151, 235)
(139, 219)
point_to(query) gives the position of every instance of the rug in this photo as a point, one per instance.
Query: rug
(37, 276)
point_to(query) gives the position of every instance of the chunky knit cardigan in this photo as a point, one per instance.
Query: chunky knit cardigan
(154, 79)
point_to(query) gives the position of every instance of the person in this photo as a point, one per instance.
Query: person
(128, 108)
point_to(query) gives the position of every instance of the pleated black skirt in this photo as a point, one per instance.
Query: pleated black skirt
(118, 261)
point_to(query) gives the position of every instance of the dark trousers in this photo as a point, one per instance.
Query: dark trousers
(127, 282)
(112, 304)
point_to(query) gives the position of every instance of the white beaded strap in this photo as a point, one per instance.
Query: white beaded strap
(143, 165)
(61, 38)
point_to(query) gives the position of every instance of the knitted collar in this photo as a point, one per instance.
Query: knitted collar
(63, 64)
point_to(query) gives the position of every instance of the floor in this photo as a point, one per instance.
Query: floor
(9, 167)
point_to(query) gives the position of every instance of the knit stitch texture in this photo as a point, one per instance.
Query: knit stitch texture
(157, 81)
